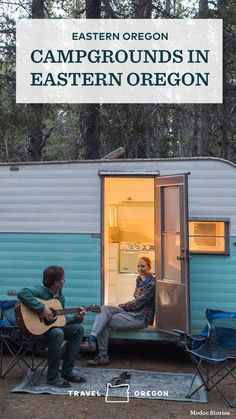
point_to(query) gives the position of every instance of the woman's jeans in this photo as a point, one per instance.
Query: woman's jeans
(113, 318)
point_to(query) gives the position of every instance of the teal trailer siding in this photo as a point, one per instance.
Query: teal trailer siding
(23, 257)
(212, 284)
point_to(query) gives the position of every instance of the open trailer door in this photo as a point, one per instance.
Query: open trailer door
(172, 255)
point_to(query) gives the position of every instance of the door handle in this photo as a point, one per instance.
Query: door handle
(180, 258)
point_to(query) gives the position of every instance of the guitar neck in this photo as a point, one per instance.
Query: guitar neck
(61, 311)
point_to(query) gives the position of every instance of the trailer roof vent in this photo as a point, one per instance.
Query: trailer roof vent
(14, 168)
(115, 154)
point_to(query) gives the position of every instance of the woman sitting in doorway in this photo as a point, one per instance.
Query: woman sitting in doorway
(133, 315)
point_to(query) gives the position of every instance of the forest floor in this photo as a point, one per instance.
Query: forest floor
(152, 356)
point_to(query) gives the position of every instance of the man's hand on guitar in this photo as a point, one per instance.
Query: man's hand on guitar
(81, 313)
(47, 314)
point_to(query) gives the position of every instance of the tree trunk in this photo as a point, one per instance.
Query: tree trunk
(93, 9)
(201, 131)
(168, 7)
(91, 112)
(203, 7)
(35, 143)
(201, 115)
(91, 122)
(140, 137)
(37, 9)
(223, 114)
(143, 10)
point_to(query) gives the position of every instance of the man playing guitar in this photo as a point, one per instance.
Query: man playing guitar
(53, 282)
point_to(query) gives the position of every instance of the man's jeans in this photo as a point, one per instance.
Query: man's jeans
(114, 318)
(73, 333)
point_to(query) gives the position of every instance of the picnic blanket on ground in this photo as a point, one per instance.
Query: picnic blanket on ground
(102, 382)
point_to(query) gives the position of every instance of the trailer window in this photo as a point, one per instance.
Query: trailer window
(209, 236)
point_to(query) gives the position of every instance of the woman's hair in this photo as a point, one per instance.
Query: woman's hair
(147, 260)
(52, 274)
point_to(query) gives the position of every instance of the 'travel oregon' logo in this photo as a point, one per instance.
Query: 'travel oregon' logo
(123, 397)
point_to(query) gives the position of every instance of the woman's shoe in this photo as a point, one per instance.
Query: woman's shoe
(88, 346)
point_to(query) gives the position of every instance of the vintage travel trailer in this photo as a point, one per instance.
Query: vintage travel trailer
(95, 218)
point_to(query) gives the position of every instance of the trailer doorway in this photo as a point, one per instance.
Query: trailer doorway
(128, 233)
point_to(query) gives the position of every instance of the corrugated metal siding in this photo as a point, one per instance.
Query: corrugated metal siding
(23, 257)
(50, 198)
(66, 197)
(212, 284)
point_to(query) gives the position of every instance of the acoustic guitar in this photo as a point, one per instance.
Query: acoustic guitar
(32, 323)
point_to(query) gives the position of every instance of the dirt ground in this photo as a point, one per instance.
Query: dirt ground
(125, 355)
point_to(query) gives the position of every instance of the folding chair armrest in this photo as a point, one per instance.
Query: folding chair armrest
(8, 327)
(189, 341)
(183, 335)
(7, 330)
(185, 340)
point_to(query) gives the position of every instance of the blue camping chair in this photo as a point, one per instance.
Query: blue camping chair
(16, 344)
(216, 345)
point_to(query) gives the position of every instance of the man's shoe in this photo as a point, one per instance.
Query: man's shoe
(75, 378)
(88, 346)
(59, 382)
(98, 360)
